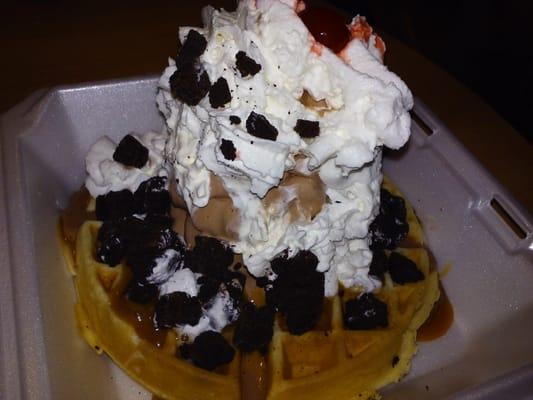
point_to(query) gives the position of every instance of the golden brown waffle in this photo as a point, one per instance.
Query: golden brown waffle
(107, 327)
(329, 362)
(332, 362)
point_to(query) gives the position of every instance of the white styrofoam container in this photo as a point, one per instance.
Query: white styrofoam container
(488, 352)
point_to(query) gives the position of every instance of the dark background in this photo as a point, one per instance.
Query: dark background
(485, 44)
(468, 61)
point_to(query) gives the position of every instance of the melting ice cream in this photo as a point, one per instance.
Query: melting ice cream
(278, 143)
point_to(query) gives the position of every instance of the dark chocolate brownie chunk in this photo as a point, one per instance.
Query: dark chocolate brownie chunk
(194, 46)
(378, 266)
(189, 83)
(131, 152)
(254, 328)
(208, 351)
(140, 242)
(231, 281)
(146, 262)
(307, 129)
(298, 291)
(257, 125)
(132, 227)
(111, 245)
(390, 226)
(246, 65)
(210, 257)
(228, 149)
(208, 290)
(158, 221)
(142, 258)
(234, 120)
(403, 270)
(364, 313)
(303, 314)
(145, 241)
(152, 238)
(234, 282)
(142, 262)
(142, 293)
(152, 197)
(114, 239)
(115, 205)
(219, 94)
(177, 308)
(262, 281)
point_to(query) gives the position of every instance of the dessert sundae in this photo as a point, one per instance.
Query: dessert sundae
(252, 249)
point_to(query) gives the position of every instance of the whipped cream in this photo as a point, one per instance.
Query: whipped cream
(182, 280)
(170, 275)
(165, 268)
(364, 106)
(216, 314)
(105, 174)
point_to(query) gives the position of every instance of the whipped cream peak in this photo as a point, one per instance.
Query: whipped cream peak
(271, 74)
(104, 174)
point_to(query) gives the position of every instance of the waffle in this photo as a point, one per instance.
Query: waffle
(332, 362)
(329, 362)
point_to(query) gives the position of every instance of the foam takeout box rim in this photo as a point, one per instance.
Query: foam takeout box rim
(15, 122)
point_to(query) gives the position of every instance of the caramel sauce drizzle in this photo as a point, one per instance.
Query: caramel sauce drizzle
(254, 372)
(442, 316)
(440, 320)
(73, 217)
(139, 316)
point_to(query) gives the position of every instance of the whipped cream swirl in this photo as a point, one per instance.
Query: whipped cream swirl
(105, 174)
(363, 106)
